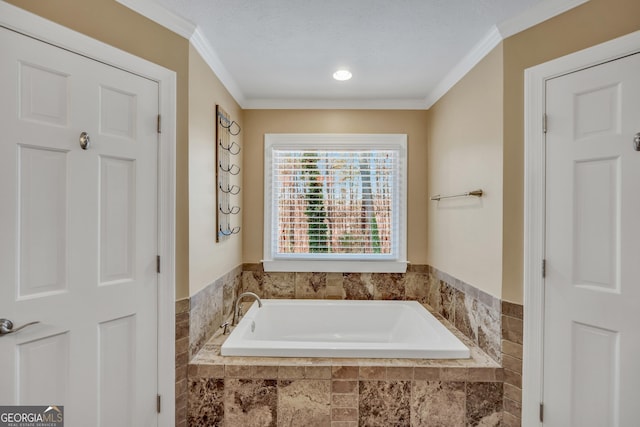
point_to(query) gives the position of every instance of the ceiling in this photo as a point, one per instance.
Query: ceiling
(402, 53)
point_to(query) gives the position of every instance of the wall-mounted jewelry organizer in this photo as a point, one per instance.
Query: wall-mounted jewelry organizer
(227, 175)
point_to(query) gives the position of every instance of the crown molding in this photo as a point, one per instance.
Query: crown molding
(470, 60)
(541, 12)
(161, 16)
(335, 104)
(204, 48)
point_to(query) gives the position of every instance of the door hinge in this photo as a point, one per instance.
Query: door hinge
(544, 268)
(159, 124)
(157, 263)
(544, 123)
(158, 403)
(541, 412)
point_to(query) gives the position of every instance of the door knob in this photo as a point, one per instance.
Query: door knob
(84, 140)
(636, 141)
(6, 326)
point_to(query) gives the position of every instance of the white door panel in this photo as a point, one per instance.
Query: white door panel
(592, 286)
(42, 188)
(79, 235)
(44, 361)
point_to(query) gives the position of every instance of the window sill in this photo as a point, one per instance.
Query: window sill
(335, 266)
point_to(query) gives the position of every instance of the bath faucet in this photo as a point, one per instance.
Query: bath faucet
(236, 310)
(225, 328)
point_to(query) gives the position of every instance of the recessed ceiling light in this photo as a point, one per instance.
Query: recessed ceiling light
(342, 75)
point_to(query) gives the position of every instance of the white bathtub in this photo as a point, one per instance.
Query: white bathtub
(323, 328)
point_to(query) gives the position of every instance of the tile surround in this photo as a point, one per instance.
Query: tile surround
(384, 403)
(303, 402)
(484, 404)
(206, 404)
(512, 329)
(474, 312)
(344, 392)
(182, 360)
(438, 403)
(344, 395)
(210, 306)
(250, 402)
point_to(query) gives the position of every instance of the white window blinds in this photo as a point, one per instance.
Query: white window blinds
(335, 197)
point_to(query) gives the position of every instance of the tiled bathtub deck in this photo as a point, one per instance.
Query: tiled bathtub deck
(270, 391)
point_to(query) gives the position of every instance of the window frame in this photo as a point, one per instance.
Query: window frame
(344, 263)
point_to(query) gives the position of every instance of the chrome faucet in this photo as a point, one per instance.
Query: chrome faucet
(236, 310)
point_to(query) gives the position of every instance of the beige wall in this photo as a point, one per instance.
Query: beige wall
(465, 153)
(208, 260)
(114, 24)
(259, 122)
(592, 23)
(471, 108)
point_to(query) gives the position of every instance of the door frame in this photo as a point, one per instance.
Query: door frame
(26, 23)
(534, 205)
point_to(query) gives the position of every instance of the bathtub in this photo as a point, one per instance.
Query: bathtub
(328, 328)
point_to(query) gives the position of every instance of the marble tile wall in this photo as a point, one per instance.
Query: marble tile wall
(182, 360)
(210, 306)
(512, 329)
(341, 396)
(474, 312)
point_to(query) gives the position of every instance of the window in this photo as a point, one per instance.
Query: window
(335, 203)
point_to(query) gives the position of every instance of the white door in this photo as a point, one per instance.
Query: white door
(78, 235)
(592, 285)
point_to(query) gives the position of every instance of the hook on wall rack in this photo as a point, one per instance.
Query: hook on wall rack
(231, 189)
(230, 148)
(230, 210)
(230, 125)
(229, 231)
(233, 169)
